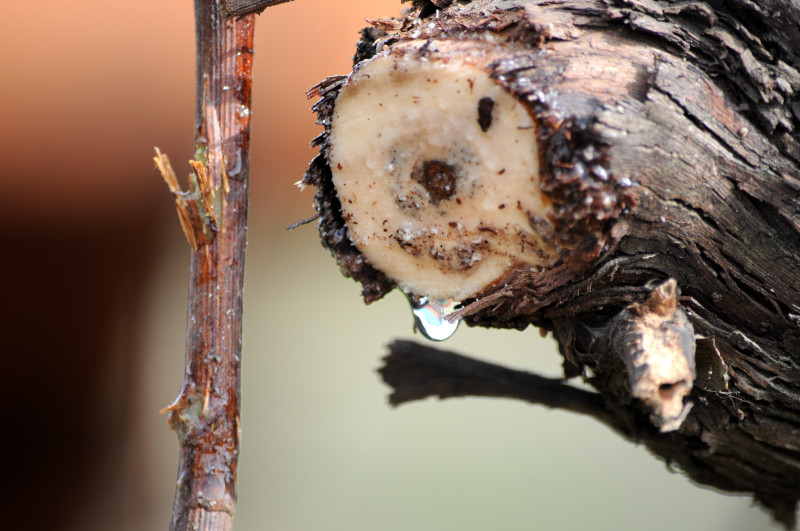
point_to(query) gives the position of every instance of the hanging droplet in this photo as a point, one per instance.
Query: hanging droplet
(430, 317)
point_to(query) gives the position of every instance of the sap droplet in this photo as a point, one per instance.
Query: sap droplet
(430, 317)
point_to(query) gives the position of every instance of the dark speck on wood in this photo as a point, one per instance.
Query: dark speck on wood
(485, 107)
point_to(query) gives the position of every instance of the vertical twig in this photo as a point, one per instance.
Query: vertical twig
(213, 214)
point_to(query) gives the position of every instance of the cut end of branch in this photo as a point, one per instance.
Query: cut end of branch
(436, 168)
(444, 174)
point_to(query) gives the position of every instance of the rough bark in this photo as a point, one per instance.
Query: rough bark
(240, 8)
(213, 215)
(669, 148)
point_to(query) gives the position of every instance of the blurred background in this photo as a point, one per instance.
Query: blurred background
(94, 269)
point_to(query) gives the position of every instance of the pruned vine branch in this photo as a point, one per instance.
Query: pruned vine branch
(622, 173)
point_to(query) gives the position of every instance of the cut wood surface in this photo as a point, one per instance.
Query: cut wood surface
(655, 232)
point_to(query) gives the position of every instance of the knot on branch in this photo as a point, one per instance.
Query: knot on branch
(200, 419)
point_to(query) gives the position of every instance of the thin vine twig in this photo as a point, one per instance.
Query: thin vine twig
(213, 215)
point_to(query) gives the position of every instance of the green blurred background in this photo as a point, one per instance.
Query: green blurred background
(95, 270)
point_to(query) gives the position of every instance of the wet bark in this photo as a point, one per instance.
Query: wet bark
(669, 135)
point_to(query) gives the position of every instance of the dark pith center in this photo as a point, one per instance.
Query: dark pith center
(437, 177)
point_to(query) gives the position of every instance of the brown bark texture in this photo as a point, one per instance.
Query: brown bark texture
(240, 8)
(669, 139)
(213, 215)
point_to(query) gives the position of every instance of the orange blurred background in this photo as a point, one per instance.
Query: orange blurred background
(89, 88)
(94, 268)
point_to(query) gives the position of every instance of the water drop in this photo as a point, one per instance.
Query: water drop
(430, 317)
